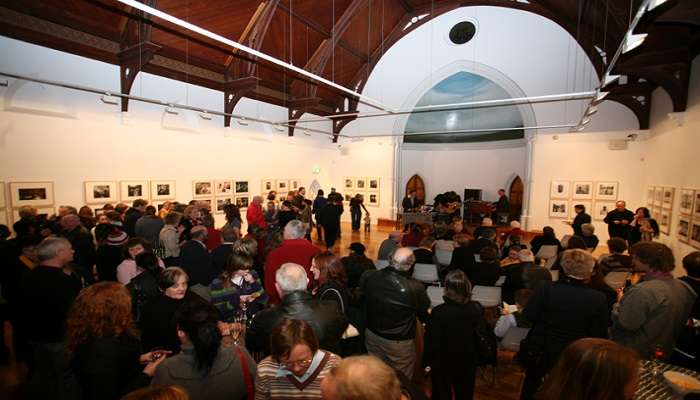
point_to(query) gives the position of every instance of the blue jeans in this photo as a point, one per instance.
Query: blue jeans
(355, 217)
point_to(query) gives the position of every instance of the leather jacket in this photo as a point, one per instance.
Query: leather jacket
(325, 318)
(393, 301)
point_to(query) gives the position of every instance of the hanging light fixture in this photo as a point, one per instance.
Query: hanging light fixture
(655, 3)
(632, 41)
(109, 99)
(170, 109)
(591, 110)
(205, 115)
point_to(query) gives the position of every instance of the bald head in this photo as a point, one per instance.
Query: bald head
(621, 205)
(69, 222)
(395, 236)
(361, 378)
(402, 259)
(291, 277)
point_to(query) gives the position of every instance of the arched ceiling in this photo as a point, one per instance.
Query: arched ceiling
(341, 40)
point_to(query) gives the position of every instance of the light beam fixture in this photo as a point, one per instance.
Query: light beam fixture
(632, 41)
(655, 3)
(610, 79)
(591, 110)
(599, 97)
(205, 115)
(4, 83)
(109, 99)
(170, 109)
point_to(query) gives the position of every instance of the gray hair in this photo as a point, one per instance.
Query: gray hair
(577, 264)
(402, 259)
(489, 234)
(291, 277)
(587, 229)
(294, 229)
(49, 247)
(228, 233)
(526, 255)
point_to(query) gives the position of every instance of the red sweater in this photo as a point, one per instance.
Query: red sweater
(298, 251)
(255, 216)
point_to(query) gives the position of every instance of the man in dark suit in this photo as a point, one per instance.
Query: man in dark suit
(195, 258)
(618, 220)
(132, 215)
(580, 219)
(220, 255)
(410, 203)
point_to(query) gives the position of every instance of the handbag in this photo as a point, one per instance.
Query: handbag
(350, 331)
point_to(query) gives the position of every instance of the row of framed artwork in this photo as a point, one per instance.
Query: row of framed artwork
(565, 208)
(662, 196)
(689, 216)
(361, 184)
(583, 190)
(370, 198)
(279, 185)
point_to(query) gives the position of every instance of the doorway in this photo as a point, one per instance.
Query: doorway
(416, 184)
(516, 199)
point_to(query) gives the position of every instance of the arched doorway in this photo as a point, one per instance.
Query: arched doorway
(416, 184)
(516, 199)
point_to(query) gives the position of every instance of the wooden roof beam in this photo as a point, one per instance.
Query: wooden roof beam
(253, 36)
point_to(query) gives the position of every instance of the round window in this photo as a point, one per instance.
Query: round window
(462, 32)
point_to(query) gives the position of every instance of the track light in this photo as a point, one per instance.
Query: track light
(632, 41)
(655, 3)
(610, 79)
(170, 109)
(243, 121)
(4, 82)
(205, 115)
(591, 110)
(278, 128)
(109, 99)
(578, 128)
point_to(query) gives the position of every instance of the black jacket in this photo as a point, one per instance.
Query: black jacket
(82, 242)
(580, 219)
(148, 227)
(325, 318)
(462, 258)
(450, 336)
(619, 230)
(130, 217)
(541, 240)
(355, 265)
(392, 302)
(220, 255)
(196, 261)
(108, 258)
(523, 275)
(483, 274)
(157, 325)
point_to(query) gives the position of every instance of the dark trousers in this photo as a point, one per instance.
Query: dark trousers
(355, 217)
(331, 236)
(445, 381)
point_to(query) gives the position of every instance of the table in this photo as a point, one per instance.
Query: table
(658, 391)
(414, 218)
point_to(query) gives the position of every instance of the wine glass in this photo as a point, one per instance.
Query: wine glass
(657, 354)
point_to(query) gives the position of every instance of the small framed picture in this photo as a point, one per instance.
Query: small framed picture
(601, 209)
(560, 190)
(658, 196)
(656, 213)
(163, 190)
(606, 191)
(348, 183)
(558, 208)
(372, 199)
(686, 203)
(241, 186)
(361, 184)
(31, 193)
(242, 201)
(373, 184)
(669, 192)
(202, 188)
(48, 211)
(348, 197)
(583, 191)
(294, 184)
(3, 200)
(695, 234)
(132, 190)
(282, 186)
(222, 202)
(650, 196)
(100, 192)
(586, 203)
(665, 222)
(684, 229)
(223, 188)
(267, 185)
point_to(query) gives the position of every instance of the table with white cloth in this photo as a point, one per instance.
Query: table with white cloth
(649, 389)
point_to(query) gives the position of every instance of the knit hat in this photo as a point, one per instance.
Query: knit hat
(117, 237)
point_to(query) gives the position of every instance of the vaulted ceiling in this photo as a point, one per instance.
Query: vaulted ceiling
(340, 40)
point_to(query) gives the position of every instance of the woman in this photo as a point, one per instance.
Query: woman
(296, 365)
(593, 369)
(589, 237)
(238, 288)
(128, 269)
(450, 340)
(233, 218)
(157, 324)
(424, 253)
(169, 238)
(110, 242)
(144, 287)
(205, 368)
(87, 217)
(329, 273)
(643, 228)
(165, 209)
(561, 312)
(356, 203)
(285, 214)
(103, 345)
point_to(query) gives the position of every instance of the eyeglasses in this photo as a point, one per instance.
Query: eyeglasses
(299, 363)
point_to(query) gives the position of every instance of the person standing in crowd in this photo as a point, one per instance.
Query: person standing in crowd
(87, 217)
(687, 351)
(643, 227)
(330, 219)
(110, 242)
(357, 204)
(254, 214)
(169, 238)
(149, 226)
(196, 260)
(128, 269)
(319, 203)
(238, 288)
(355, 264)
(165, 208)
(581, 218)
(83, 246)
(233, 219)
(392, 301)
(389, 245)
(132, 215)
(619, 220)
(285, 214)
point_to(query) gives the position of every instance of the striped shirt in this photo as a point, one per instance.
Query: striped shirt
(268, 385)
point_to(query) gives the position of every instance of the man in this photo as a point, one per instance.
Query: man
(616, 260)
(487, 239)
(486, 223)
(319, 203)
(82, 244)
(547, 238)
(355, 264)
(195, 259)
(301, 192)
(149, 226)
(294, 249)
(580, 219)
(393, 301)
(361, 378)
(290, 283)
(618, 220)
(523, 275)
(330, 219)
(132, 215)
(254, 214)
(501, 207)
(410, 203)
(220, 255)
(388, 245)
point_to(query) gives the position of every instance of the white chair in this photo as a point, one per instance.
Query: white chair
(477, 258)
(500, 281)
(487, 296)
(565, 240)
(555, 275)
(426, 273)
(511, 341)
(548, 251)
(444, 257)
(550, 263)
(435, 295)
(381, 264)
(616, 279)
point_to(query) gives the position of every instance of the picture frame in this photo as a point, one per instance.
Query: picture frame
(586, 203)
(582, 190)
(361, 184)
(3, 198)
(601, 209)
(606, 190)
(372, 198)
(373, 184)
(223, 187)
(162, 190)
(34, 194)
(242, 201)
(100, 192)
(49, 211)
(559, 209)
(347, 197)
(208, 201)
(241, 187)
(687, 197)
(650, 196)
(222, 202)
(683, 229)
(658, 196)
(132, 190)
(669, 192)
(267, 185)
(560, 190)
(202, 189)
(694, 238)
(348, 183)
(294, 184)
(282, 186)
(665, 222)
(656, 213)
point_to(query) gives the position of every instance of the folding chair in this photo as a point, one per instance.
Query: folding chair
(426, 273)
(444, 257)
(487, 296)
(381, 264)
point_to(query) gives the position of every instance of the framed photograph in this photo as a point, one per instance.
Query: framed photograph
(132, 190)
(656, 213)
(31, 194)
(601, 209)
(267, 185)
(223, 188)
(669, 192)
(695, 234)
(665, 222)
(372, 199)
(48, 211)
(560, 190)
(373, 184)
(606, 191)
(282, 187)
(222, 202)
(650, 196)
(683, 229)
(586, 203)
(242, 201)
(347, 197)
(241, 186)
(294, 184)
(202, 188)
(361, 184)
(163, 190)
(348, 183)
(696, 205)
(559, 208)
(3, 218)
(101, 192)
(583, 191)
(3, 200)
(686, 203)
(658, 196)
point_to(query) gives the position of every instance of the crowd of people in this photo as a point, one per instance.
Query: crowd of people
(145, 303)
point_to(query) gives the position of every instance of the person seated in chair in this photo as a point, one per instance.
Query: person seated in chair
(616, 260)
(514, 319)
(424, 254)
(524, 275)
(487, 270)
(547, 238)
